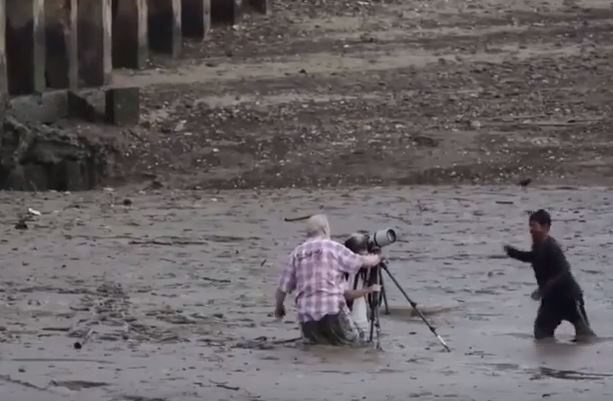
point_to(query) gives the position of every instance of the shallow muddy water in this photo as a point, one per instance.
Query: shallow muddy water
(170, 293)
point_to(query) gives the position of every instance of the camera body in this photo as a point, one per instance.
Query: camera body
(371, 243)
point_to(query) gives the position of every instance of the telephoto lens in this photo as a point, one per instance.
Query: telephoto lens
(384, 237)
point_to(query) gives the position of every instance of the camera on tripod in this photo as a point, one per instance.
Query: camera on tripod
(366, 309)
(371, 243)
(362, 308)
(362, 243)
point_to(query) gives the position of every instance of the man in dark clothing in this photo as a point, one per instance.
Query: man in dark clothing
(560, 294)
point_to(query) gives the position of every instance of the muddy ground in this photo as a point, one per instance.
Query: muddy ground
(389, 92)
(172, 288)
(176, 290)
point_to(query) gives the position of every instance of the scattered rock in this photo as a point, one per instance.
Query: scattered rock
(155, 185)
(38, 157)
(475, 124)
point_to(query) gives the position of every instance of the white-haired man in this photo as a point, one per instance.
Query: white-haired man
(316, 271)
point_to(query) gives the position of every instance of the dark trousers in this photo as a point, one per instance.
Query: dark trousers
(332, 329)
(552, 312)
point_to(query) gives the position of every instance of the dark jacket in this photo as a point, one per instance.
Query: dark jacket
(551, 269)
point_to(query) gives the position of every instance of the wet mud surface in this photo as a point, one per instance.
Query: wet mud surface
(332, 93)
(169, 296)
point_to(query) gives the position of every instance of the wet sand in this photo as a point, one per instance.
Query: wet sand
(175, 288)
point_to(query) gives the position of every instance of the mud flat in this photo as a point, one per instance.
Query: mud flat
(331, 93)
(170, 293)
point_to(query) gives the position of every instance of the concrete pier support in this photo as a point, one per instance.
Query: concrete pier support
(3, 75)
(130, 33)
(196, 18)
(25, 46)
(224, 12)
(61, 41)
(165, 26)
(94, 42)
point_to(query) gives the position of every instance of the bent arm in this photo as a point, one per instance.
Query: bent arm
(280, 297)
(350, 295)
(287, 282)
(352, 262)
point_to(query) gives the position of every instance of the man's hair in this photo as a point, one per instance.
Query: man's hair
(541, 217)
(318, 225)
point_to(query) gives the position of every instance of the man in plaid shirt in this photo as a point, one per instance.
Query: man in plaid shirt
(316, 271)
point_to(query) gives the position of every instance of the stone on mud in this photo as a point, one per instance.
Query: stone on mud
(47, 108)
(123, 106)
(41, 158)
(88, 105)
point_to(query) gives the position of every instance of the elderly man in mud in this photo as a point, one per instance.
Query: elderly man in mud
(316, 270)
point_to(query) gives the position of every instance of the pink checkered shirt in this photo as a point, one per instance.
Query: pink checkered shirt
(315, 270)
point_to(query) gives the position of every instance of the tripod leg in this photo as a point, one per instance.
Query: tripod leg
(414, 305)
(383, 293)
(372, 316)
(378, 327)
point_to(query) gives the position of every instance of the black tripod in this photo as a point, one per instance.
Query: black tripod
(374, 301)
(371, 277)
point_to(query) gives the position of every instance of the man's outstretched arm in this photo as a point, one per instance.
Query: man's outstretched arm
(522, 256)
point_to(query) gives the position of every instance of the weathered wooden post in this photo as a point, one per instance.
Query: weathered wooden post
(3, 76)
(130, 33)
(196, 18)
(61, 43)
(25, 46)
(94, 42)
(165, 26)
(259, 6)
(224, 12)
(73, 45)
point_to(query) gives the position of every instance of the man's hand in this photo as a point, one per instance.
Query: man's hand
(280, 308)
(507, 249)
(536, 295)
(374, 288)
(280, 312)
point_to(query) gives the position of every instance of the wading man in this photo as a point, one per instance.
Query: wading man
(316, 270)
(560, 294)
